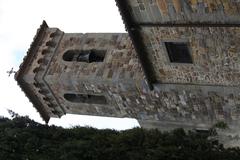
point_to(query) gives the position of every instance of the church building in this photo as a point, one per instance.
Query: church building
(178, 66)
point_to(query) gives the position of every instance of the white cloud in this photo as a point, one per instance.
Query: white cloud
(19, 21)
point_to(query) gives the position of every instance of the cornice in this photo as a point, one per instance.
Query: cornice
(27, 60)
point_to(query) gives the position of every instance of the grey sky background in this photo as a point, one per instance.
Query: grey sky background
(19, 21)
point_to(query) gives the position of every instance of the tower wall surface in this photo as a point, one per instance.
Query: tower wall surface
(185, 11)
(118, 73)
(214, 51)
(194, 93)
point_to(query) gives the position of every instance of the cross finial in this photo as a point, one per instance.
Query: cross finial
(11, 72)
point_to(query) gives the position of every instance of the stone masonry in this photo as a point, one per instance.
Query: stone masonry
(193, 95)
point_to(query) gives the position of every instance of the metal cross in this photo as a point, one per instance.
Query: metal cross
(11, 72)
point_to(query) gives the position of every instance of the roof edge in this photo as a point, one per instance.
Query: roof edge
(26, 61)
(31, 51)
(35, 100)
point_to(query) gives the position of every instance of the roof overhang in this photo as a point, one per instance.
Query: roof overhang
(22, 70)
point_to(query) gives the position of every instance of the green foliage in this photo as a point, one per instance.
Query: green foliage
(221, 125)
(22, 138)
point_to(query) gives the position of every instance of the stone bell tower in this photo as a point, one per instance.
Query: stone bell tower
(80, 73)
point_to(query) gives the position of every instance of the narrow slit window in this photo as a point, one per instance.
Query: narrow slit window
(202, 130)
(87, 56)
(85, 98)
(178, 52)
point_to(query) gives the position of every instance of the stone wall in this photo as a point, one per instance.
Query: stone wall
(120, 79)
(187, 95)
(118, 58)
(215, 52)
(118, 73)
(185, 11)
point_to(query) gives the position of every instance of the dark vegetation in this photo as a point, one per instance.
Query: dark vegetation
(24, 139)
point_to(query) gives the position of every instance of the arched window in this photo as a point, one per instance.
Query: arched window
(88, 56)
(85, 98)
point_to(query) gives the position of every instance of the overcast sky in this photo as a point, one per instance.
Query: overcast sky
(19, 21)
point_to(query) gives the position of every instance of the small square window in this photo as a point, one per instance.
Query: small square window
(178, 52)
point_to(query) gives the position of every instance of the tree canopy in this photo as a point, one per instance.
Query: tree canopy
(23, 139)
